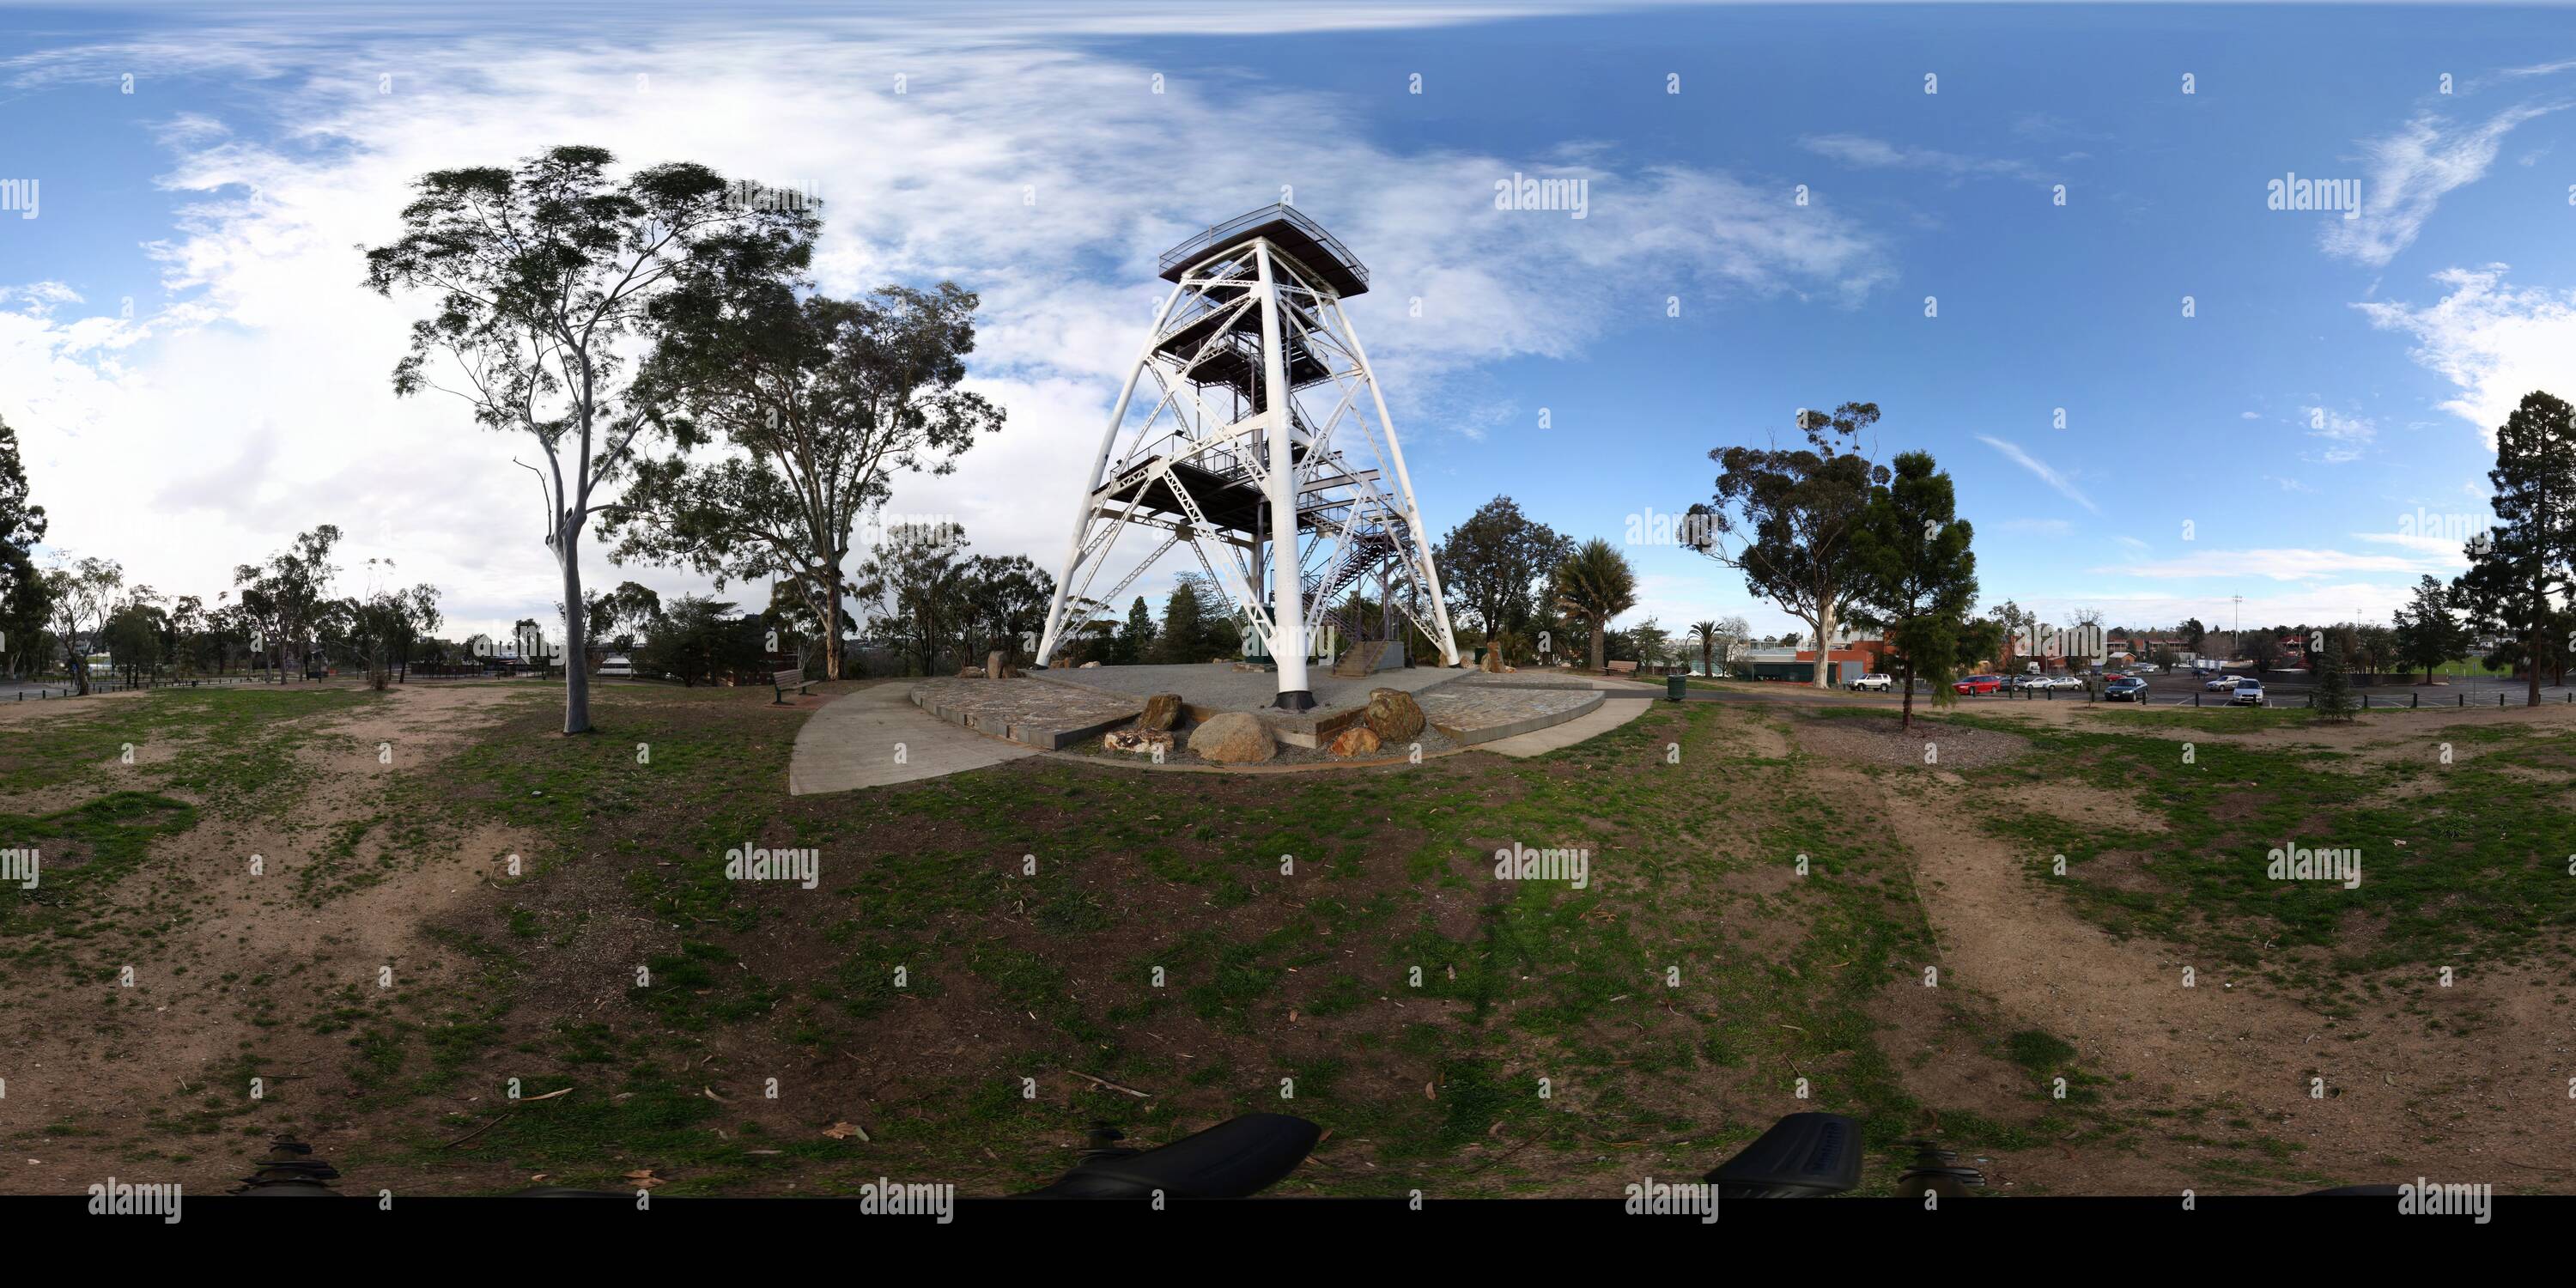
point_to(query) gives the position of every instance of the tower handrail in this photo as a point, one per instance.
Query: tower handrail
(1198, 247)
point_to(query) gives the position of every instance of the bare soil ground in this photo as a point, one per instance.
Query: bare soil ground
(2441, 1081)
(241, 975)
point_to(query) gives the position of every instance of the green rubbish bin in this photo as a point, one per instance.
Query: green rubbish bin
(1675, 686)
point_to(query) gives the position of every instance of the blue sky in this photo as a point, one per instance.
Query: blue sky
(2318, 427)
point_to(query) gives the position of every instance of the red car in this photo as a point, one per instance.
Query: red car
(1978, 684)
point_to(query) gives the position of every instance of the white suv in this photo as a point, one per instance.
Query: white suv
(1872, 681)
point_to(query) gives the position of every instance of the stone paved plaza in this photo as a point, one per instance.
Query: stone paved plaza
(1061, 710)
(1035, 713)
(1474, 713)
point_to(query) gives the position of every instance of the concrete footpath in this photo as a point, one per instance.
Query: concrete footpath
(1592, 724)
(852, 743)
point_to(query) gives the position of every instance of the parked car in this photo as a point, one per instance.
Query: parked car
(1974, 684)
(2220, 684)
(2249, 693)
(617, 664)
(2124, 688)
(1872, 681)
(2061, 682)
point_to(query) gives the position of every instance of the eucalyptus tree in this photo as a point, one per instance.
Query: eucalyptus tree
(1785, 517)
(547, 277)
(817, 404)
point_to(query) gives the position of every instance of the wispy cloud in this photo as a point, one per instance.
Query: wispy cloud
(2045, 527)
(1878, 154)
(1035, 173)
(2349, 434)
(2046, 473)
(2410, 171)
(2276, 565)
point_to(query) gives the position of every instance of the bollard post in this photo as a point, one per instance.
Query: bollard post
(2414, 700)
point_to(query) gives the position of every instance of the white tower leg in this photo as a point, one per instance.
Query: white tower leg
(1287, 588)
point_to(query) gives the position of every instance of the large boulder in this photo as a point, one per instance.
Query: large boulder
(1393, 715)
(997, 666)
(1493, 661)
(1358, 740)
(1234, 738)
(1162, 711)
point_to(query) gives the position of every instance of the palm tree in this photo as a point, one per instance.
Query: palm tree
(1706, 634)
(1593, 585)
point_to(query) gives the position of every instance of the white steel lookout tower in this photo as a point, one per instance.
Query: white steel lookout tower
(1265, 447)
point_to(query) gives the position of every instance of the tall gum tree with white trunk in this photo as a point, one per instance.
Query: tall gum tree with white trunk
(1785, 518)
(549, 277)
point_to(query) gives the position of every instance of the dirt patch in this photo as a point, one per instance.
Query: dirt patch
(266, 943)
(1930, 745)
(2084, 803)
(2409, 1099)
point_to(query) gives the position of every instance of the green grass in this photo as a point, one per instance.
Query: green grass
(1044, 920)
(2470, 867)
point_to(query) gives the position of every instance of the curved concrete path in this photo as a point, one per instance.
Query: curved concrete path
(853, 741)
(1618, 710)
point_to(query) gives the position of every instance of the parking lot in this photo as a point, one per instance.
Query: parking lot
(2292, 689)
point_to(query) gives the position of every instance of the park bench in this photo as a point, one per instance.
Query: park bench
(1623, 668)
(792, 678)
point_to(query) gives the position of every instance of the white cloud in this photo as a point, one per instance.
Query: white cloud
(2276, 565)
(256, 401)
(2410, 172)
(2349, 434)
(2349, 601)
(1877, 154)
(2493, 342)
(2045, 527)
(2451, 551)
(2046, 473)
